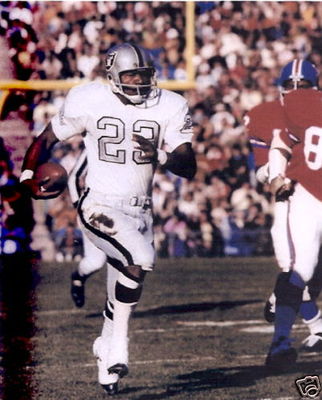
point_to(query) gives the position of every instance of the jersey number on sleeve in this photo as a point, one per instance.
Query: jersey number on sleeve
(313, 147)
(110, 145)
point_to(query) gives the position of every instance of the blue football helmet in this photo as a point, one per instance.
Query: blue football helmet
(298, 74)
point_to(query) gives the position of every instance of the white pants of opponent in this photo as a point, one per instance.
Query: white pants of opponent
(297, 242)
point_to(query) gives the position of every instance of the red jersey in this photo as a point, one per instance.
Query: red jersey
(303, 115)
(260, 123)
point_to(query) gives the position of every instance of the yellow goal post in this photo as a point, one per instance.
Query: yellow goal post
(7, 85)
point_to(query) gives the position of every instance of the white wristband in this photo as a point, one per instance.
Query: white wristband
(26, 174)
(162, 157)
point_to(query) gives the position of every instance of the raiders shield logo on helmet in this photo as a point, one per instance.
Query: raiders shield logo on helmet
(110, 60)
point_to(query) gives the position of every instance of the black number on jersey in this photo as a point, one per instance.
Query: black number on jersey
(110, 145)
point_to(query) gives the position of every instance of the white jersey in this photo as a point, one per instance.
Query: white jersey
(114, 165)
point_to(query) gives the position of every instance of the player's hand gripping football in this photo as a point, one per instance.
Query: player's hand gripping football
(282, 188)
(38, 189)
(148, 151)
(49, 180)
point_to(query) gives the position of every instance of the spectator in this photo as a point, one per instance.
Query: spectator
(69, 244)
(16, 211)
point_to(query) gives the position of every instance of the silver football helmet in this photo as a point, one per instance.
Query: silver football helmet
(131, 58)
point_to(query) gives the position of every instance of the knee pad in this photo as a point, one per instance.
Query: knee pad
(127, 295)
(128, 290)
(287, 291)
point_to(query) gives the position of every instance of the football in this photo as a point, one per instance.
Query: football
(51, 177)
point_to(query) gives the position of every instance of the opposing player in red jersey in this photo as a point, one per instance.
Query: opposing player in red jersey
(296, 152)
(262, 122)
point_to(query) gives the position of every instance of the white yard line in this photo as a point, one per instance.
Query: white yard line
(162, 361)
(220, 323)
(196, 360)
(252, 326)
(280, 398)
(67, 311)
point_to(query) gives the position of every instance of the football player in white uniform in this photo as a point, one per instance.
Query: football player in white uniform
(126, 123)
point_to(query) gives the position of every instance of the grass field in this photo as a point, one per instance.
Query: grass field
(198, 333)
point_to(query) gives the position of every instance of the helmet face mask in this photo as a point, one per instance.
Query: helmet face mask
(298, 74)
(131, 73)
(291, 84)
(143, 88)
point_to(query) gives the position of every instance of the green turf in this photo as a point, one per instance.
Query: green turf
(178, 348)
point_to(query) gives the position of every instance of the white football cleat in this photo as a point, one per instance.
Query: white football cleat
(105, 378)
(312, 343)
(118, 357)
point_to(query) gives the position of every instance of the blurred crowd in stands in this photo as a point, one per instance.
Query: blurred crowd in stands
(240, 50)
(16, 213)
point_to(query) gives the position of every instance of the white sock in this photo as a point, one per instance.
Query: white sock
(314, 324)
(122, 312)
(107, 330)
(119, 342)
